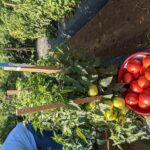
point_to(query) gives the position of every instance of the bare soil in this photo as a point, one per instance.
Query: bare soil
(122, 26)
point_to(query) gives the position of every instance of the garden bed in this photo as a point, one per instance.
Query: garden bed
(89, 124)
(120, 27)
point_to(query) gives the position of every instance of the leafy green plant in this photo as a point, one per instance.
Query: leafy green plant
(29, 19)
(8, 119)
(80, 127)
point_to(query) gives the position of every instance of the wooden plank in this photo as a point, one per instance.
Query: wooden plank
(47, 70)
(12, 92)
(29, 68)
(30, 110)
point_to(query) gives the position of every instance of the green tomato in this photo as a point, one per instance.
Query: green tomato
(119, 102)
(93, 90)
(110, 115)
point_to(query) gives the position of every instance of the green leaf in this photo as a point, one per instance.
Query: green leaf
(106, 81)
(109, 96)
(73, 106)
(82, 69)
(80, 134)
(57, 138)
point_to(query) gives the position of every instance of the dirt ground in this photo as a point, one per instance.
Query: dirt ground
(122, 26)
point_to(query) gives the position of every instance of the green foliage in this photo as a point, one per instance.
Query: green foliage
(28, 19)
(81, 127)
(128, 132)
(8, 120)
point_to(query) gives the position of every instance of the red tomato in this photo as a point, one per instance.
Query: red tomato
(146, 90)
(147, 74)
(127, 77)
(142, 71)
(134, 66)
(131, 98)
(143, 82)
(146, 62)
(135, 87)
(144, 100)
(136, 75)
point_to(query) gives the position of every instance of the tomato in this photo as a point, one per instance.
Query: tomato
(131, 98)
(118, 102)
(110, 115)
(134, 66)
(147, 74)
(127, 78)
(146, 90)
(135, 87)
(143, 82)
(144, 100)
(136, 75)
(146, 62)
(142, 71)
(93, 90)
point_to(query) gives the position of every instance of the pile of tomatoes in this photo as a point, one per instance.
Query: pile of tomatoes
(137, 76)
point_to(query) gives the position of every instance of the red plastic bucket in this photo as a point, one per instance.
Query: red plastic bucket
(121, 72)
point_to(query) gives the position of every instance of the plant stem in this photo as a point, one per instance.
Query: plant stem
(108, 144)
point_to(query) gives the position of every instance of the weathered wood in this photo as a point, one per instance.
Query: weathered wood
(42, 47)
(12, 92)
(24, 111)
(47, 70)
(29, 68)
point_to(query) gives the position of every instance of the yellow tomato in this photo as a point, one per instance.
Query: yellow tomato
(119, 102)
(93, 90)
